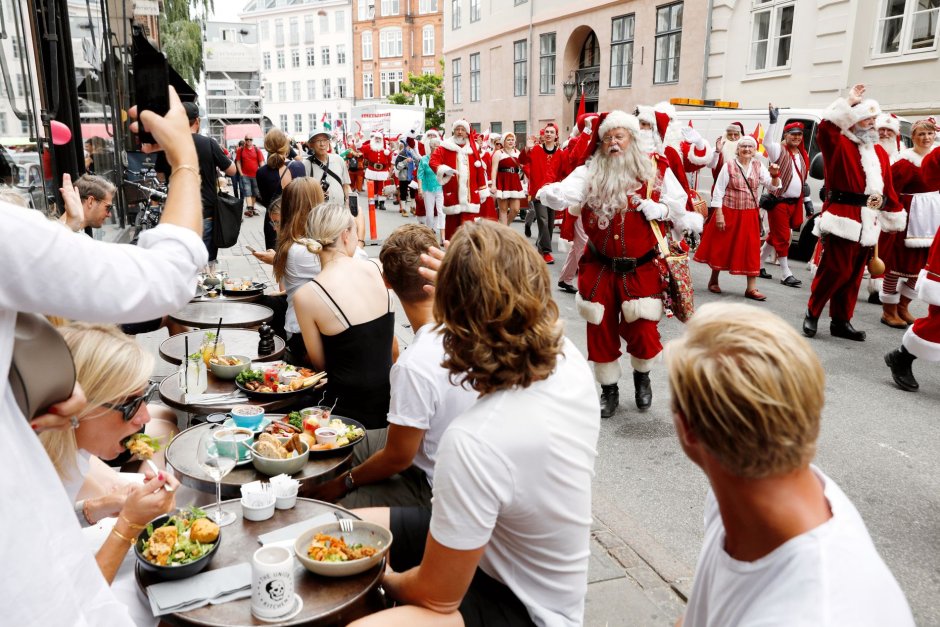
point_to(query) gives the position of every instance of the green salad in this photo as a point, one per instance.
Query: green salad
(184, 538)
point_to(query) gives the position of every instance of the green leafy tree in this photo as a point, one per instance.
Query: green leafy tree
(423, 85)
(181, 26)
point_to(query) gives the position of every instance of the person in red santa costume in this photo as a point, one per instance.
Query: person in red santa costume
(621, 195)
(461, 174)
(380, 161)
(889, 136)
(905, 252)
(923, 338)
(726, 149)
(506, 179)
(490, 142)
(860, 197)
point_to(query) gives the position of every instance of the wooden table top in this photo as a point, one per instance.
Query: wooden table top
(327, 600)
(234, 314)
(172, 395)
(181, 455)
(237, 342)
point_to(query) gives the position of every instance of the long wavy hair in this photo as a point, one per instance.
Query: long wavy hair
(297, 201)
(611, 180)
(494, 303)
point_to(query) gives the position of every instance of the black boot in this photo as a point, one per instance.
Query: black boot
(610, 400)
(899, 360)
(845, 330)
(874, 298)
(809, 324)
(642, 390)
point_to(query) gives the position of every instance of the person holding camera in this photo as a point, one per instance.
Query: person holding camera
(330, 170)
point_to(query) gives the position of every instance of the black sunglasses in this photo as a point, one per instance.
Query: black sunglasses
(130, 407)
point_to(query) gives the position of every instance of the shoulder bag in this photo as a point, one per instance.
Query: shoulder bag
(227, 222)
(679, 296)
(763, 233)
(42, 371)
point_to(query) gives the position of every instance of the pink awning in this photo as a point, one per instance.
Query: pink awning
(91, 129)
(241, 131)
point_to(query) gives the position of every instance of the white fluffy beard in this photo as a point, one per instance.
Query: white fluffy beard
(865, 135)
(376, 144)
(890, 144)
(729, 150)
(460, 141)
(612, 178)
(647, 140)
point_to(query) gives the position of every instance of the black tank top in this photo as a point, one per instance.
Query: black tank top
(358, 362)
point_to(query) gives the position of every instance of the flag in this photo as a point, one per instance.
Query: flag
(326, 125)
(580, 105)
(758, 136)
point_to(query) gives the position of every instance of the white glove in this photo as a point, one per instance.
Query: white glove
(588, 126)
(484, 194)
(445, 173)
(692, 136)
(413, 185)
(653, 210)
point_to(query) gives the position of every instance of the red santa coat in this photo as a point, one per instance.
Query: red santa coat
(856, 168)
(694, 159)
(907, 250)
(674, 158)
(923, 338)
(380, 162)
(461, 176)
(541, 166)
(488, 207)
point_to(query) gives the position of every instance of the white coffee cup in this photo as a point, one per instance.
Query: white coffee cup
(272, 582)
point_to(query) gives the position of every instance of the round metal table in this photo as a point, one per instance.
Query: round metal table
(327, 600)
(181, 455)
(234, 315)
(237, 342)
(172, 395)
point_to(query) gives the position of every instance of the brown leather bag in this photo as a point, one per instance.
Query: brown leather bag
(42, 372)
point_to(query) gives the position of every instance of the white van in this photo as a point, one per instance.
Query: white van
(711, 123)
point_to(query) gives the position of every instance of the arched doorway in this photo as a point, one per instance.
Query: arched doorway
(588, 74)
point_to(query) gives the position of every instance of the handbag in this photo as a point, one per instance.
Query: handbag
(699, 204)
(679, 297)
(767, 200)
(42, 372)
(227, 223)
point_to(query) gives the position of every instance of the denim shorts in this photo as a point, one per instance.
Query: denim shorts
(250, 186)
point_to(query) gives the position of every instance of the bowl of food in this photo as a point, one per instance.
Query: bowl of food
(272, 455)
(179, 545)
(327, 550)
(228, 366)
(248, 416)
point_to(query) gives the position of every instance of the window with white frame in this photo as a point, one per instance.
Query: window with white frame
(668, 43)
(455, 78)
(312, 122)
(278, 32)
(266, 60)
(475, 77)
(391, 82)
(427, 40)
(282, 92)
(265, 30)
(268, 92)
(342, 121)
(311, 90)
(454, 14)
(474, 10)
(327, 88)
(341, 54)
(367, 44)
(280, 59)
(427, 6)
(324, 22)
(390, 7)
(325, 55)
(309, 33)
(298, 122)
(621, 50)
(771, 34)
(520, 64)
(340, 87)
(311, 57)
(906, 27)
(363, 9)
(284, 123)
(339, 21)
(547, 63)
(428, 71)
(295, 58)
(295, 91)
(294, 31)
(368, 88)
(390, 43)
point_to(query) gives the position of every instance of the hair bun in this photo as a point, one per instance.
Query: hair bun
(312, 245)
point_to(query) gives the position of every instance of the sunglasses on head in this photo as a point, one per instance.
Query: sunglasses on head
(130, 407)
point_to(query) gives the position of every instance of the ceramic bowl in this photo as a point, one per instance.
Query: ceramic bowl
(366, 533)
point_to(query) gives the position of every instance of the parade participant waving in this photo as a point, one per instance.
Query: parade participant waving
(731, 240)
(659, 135)
(461, 175)
(541, 160)
(906, 252)
(726, 149)
(787, 211)
(506, 179)
(622, 195)
(860, 197)
(379, 159)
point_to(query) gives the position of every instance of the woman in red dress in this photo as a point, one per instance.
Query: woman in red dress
(505, 179)
(905, 253)
(731, 239)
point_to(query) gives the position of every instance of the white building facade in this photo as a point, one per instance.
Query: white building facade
(801, 53)
(305, 49)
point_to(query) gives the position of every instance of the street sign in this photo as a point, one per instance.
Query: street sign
(146, 8)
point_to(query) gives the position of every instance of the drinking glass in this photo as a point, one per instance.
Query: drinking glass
(216, 466)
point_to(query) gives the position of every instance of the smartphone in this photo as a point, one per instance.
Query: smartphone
(151, 81)
(250, 249)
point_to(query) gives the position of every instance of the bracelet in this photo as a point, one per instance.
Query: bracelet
(191, 168)
(122, 536)
(133, 526)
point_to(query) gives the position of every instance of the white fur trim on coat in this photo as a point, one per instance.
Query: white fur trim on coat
(590, 311)
(888, 299)
(607, 373)
(919, 347)
(906, 291)
(620, 119)
(704, 160)
(871, 166)
(444, 174)
(865, 232)
(510, 194)
(892, 221)
(908, 154)
(928, 290)
(645, 308)
(845, 116)
(376, 175)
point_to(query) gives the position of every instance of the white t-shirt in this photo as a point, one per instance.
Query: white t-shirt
(423, 396)
(829, 576)
(337, 166)
(514, 473)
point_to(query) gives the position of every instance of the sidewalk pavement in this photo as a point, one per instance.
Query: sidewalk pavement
(623, 588)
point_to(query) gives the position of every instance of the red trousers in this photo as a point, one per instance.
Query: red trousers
(453, 221)
(838, 277)
(783, 218)
(923, 339)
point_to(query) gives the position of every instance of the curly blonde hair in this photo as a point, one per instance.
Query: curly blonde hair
(494, 303)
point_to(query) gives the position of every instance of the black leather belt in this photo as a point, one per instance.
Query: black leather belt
(847, 198)
(623, 265)
(378, 166)
(508, 170)
(788, 201)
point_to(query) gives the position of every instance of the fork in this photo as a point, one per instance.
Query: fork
(345, 524)
(156, 471)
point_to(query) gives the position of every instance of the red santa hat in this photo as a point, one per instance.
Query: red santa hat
(889, 121)
(735, 126)
(618, 119)
(664, 114)
(459, 123)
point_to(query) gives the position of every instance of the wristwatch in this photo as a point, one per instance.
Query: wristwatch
(348, 482)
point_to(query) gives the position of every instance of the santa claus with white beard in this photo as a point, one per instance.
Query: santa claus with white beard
(621, 196)
(889, 132)
(380, 160)
(726, 149)
(460, 172)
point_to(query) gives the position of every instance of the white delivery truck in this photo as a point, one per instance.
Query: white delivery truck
(711, 123)
(389, 118)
